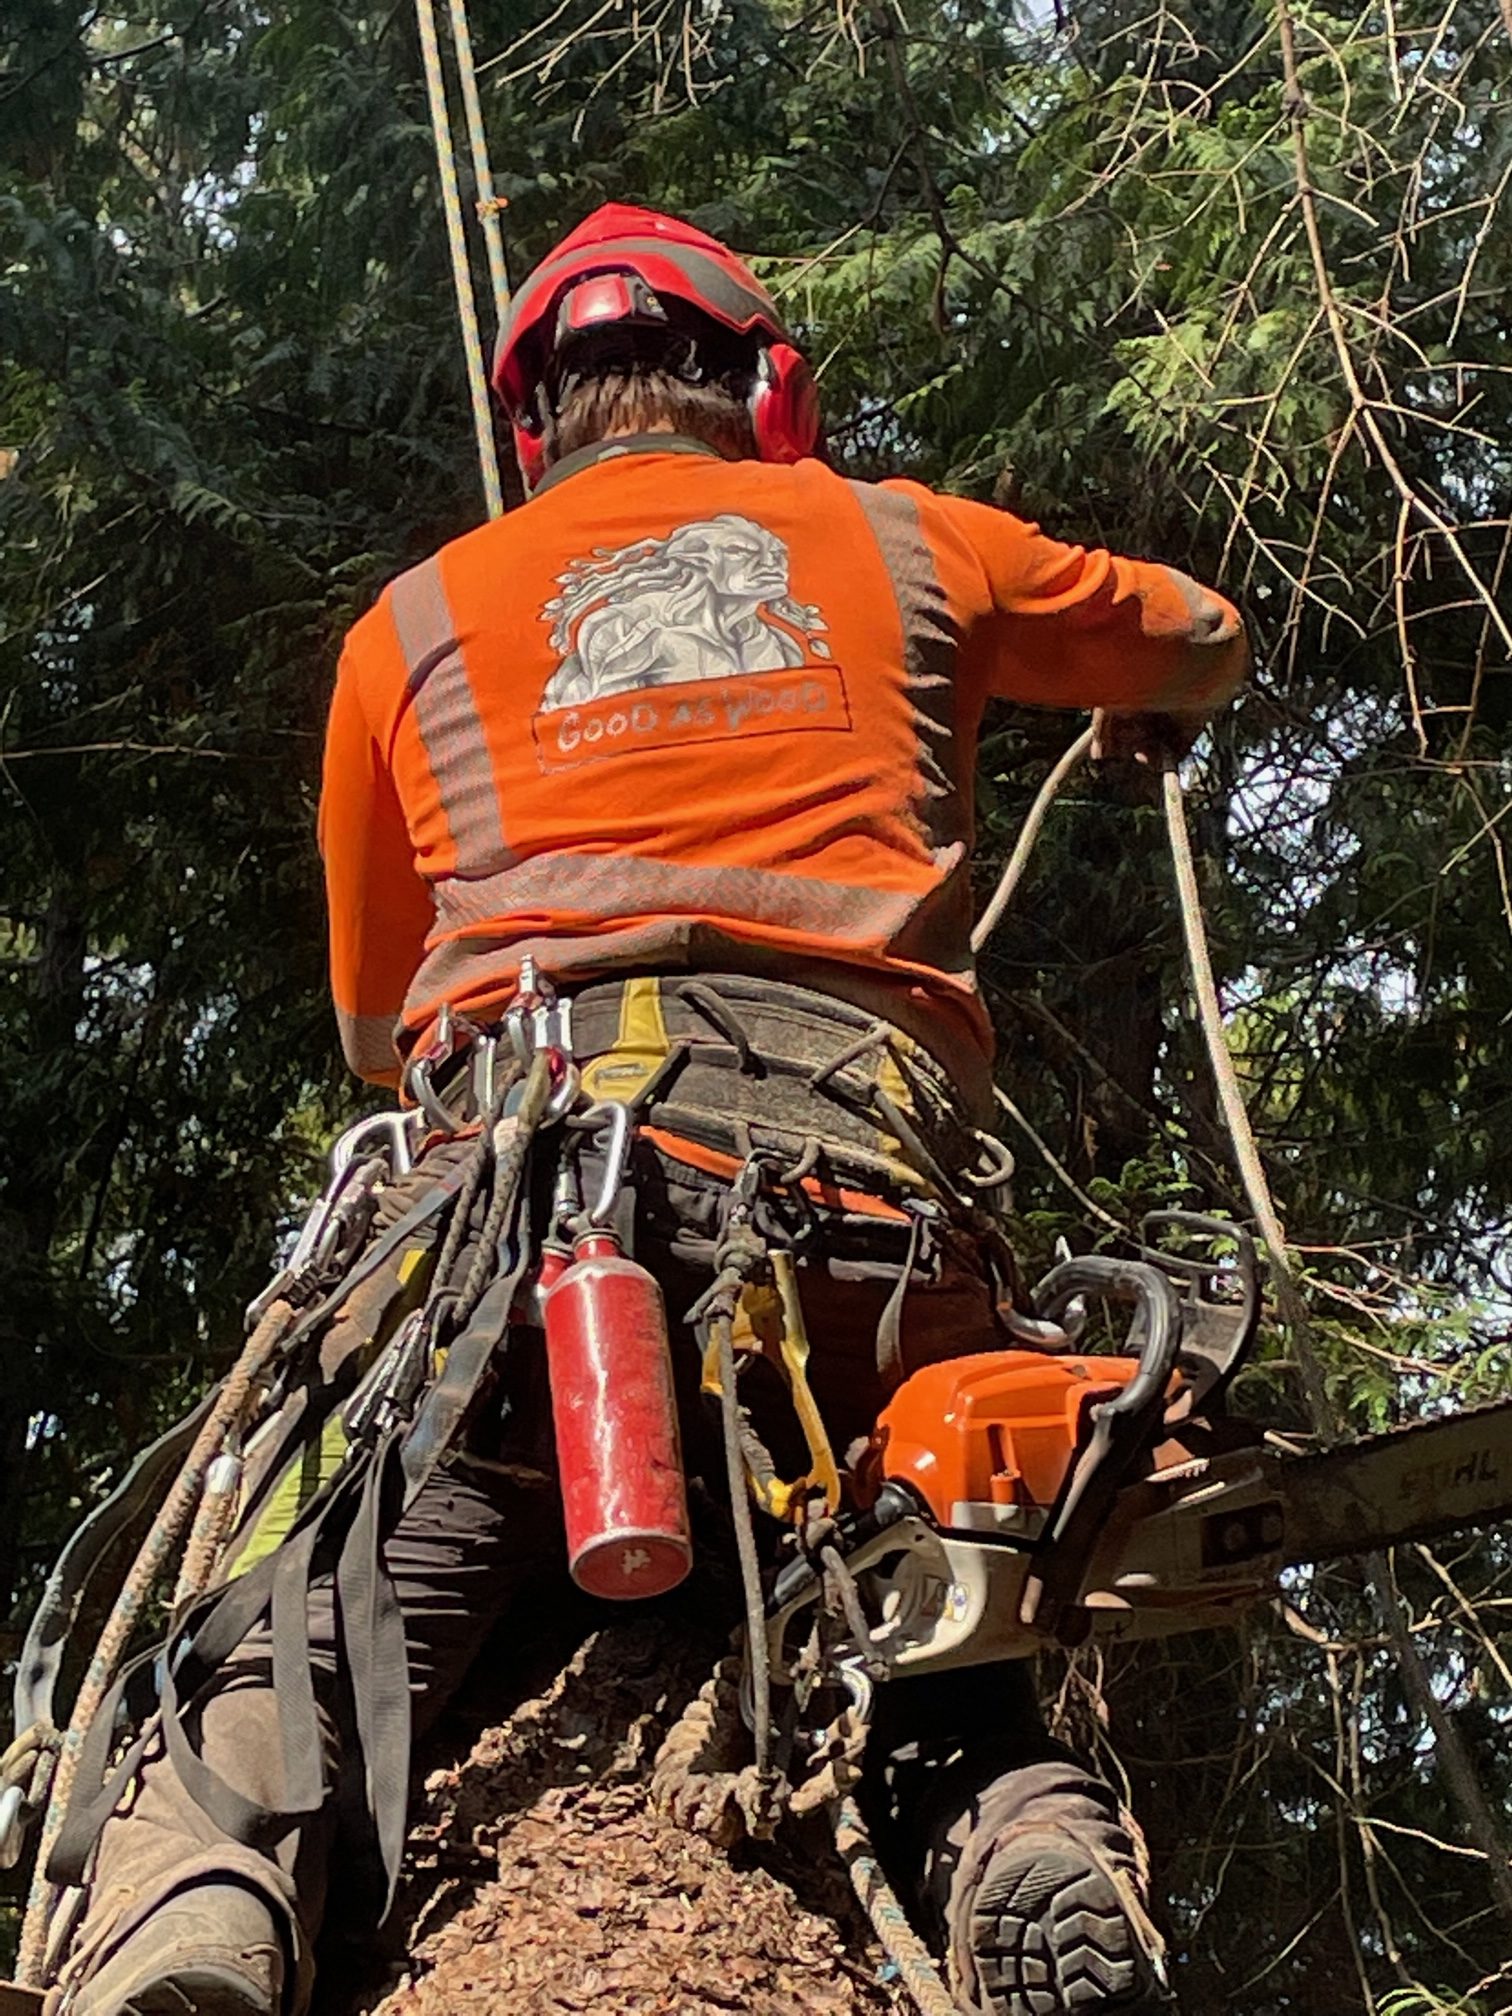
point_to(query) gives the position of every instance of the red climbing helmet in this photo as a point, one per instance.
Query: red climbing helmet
(614, 271)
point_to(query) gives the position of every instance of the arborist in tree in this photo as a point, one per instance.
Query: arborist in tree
(647, 825)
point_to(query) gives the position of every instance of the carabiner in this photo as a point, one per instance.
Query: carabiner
(320, 1236)
(564, 1094)
(613, 1115)
(393, 1130)
(853, 1676)
(453, 1030)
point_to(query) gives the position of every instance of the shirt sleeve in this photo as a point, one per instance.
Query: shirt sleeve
(379, 906)
(1074, 626)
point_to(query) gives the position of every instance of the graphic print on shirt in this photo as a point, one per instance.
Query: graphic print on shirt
(692, 638)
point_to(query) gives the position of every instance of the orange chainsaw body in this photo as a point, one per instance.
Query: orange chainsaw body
(997, 1429)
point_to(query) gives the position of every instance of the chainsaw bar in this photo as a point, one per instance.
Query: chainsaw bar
(1409, 1483)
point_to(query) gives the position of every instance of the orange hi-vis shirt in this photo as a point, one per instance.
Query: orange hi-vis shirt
(683, 713)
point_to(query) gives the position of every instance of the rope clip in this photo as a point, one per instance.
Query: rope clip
(389, 1392)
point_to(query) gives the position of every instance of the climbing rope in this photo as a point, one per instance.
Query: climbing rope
(1464, 1786)
(1029, 833)
(232, 1405)
(698, 1782)
(1226, 1080)
(489, 204)
(1209, 1012)
(757, 1650)
(1205, 991)
(902, 1945)
(451, 201)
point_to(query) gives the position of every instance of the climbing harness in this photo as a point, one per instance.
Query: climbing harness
(445, 1259)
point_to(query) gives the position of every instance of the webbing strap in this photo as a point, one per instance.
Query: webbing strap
(450, 1399)
(57, 1611)
(293, 1678)
(377, 1666)
(86, 1815)
(211, 1629)
(890, 1366)
(243, 1819)
(225, 1617)
(340, 1535)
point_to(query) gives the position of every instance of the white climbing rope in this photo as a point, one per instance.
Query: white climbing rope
(489, 204)
(451, 201)
(1029, 832)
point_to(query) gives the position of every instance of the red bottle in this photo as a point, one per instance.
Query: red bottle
(612, 1400)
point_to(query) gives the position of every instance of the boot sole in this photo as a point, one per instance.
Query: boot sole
(199, 1991)
(1050, 1937)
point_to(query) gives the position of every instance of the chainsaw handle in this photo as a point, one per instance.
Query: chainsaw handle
(1121, 1428)
(1245, 1260)
(1217, 1335)
(1148, 1291)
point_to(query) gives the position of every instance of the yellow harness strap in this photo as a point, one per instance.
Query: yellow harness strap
(641, 1045)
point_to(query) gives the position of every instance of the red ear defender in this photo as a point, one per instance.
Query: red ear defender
(784, 405)
(530, 453)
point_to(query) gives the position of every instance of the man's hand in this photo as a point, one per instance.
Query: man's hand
(1153, 739)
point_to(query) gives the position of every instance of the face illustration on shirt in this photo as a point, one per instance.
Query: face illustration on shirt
(708, 601)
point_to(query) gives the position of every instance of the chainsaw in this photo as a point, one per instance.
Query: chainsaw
(1022, 1498)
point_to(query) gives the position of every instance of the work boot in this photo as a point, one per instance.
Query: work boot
(1039, 1882)
(213, 1949)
